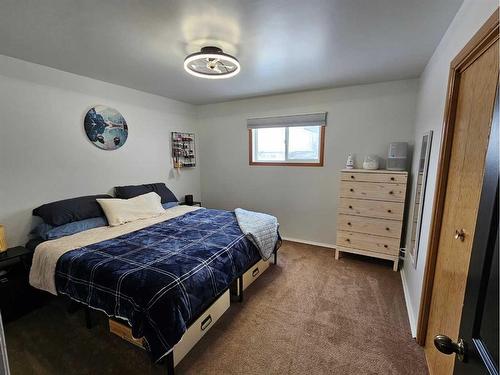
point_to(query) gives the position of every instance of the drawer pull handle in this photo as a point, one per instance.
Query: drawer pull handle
(391, 192)
(352, 177)
(348, 240)
(386, 246)
(351, 189)
(255, 272)
(350, 207)
(206, 322)
(392, 178)
(389, 211)
(387, 228)
(349, 223)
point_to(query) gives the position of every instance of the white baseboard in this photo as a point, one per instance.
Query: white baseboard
(409, 309)
(321, 244)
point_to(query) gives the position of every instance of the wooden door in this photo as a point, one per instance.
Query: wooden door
(472, 109)
(479, 328)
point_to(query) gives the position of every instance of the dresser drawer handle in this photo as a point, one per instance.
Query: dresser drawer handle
(255, 272)
(348, 239)
(391, 192)
(392, 178)
(389, 211)
(349, 223)
(351, 189)
(387, 228)
(350, 207)
(352, 177)
(386, 246)
(206, 322)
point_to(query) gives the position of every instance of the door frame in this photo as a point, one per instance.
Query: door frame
(487, 35)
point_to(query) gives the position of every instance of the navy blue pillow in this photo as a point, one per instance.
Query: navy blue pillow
(131, 191)
(69, 210)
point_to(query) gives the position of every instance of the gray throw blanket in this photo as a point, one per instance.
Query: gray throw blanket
(261, 229)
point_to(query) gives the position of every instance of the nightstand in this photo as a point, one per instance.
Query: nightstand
(195, 203)
(17, 297)
(15, 254)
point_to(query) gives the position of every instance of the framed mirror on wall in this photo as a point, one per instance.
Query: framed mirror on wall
(419, 196)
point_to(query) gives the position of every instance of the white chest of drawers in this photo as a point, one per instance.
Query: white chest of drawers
(370, 213)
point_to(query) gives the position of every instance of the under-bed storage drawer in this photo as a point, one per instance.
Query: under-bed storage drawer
(124, 331)
(201, 326)
(194, 333)
(254, 272)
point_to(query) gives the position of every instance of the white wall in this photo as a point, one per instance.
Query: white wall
(45, 154)
(430, 114)
(361, 119)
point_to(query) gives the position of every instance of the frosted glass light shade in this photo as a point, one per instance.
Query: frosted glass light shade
(3, 240)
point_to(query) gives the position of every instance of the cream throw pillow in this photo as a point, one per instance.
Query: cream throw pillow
(121, 211)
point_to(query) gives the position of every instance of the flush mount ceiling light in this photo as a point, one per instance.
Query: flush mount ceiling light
(211, 62)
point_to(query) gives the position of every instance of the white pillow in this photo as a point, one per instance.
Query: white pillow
(121, 211)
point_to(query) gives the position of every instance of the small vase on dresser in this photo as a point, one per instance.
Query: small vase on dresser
(370, 213)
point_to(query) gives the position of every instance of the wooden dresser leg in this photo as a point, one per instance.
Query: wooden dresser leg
(337, 254)
(396, 265)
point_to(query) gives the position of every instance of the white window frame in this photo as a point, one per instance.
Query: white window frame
(253, 147)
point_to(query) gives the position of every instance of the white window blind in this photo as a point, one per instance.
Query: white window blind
(311, 119)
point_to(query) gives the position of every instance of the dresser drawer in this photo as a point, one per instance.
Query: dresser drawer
(373, 190)
(360, 224)
(377, 209)
(391, 178)
(368, 242)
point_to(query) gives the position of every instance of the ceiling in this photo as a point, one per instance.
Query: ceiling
(282, 45)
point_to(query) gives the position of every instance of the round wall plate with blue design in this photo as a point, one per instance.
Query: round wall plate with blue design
(106, 127)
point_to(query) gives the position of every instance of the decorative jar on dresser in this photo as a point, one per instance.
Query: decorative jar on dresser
(370, 213)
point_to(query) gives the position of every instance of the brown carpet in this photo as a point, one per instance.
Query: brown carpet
(308, 315)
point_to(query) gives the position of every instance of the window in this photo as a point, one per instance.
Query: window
(293, 145)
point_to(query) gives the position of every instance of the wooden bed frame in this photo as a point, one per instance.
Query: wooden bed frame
(201, 324)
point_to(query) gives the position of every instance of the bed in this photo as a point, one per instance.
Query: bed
(159, 274)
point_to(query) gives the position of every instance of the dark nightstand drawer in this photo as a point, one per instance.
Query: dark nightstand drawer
(17, 297)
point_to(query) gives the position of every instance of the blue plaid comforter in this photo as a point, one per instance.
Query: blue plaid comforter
(162, 277)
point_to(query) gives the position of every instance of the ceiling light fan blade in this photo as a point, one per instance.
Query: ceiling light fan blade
(228, 68)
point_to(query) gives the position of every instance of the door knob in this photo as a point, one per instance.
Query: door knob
(445, 345)
(460, 235)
